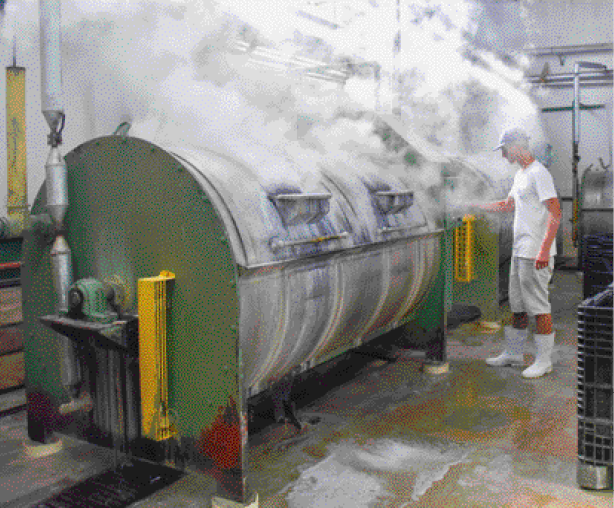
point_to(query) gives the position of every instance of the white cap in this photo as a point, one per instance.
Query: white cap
(512, 136)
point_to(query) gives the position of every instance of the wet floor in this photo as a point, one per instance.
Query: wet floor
(396, 437)
(475, 437)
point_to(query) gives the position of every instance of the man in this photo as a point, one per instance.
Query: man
(537, 214)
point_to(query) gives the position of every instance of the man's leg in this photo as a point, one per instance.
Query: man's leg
(539, 304)
(544, 324)
(515, 335)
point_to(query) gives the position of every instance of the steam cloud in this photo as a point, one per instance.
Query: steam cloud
(169, 69)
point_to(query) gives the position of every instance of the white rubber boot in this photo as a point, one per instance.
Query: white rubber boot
(513, 354)
(543, 360)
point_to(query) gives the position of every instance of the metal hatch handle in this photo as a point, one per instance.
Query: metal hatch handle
(391, 202)
(277, 244)
(302, 208)
(400, 228)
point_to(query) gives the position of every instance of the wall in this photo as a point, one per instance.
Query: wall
(571, 23)
(504, 25)
(509, 26)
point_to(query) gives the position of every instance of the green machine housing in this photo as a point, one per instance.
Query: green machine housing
(202, 281)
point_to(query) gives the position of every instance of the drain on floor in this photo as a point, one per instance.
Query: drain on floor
(116, 488)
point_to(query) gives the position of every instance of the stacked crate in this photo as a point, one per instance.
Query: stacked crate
(596, 263)
(595, 389)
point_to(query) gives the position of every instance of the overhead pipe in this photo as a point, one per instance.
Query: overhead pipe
(266, 57)
(576, 140)
(605, 75)
(561, 51)
(52, 102)
(585, 84)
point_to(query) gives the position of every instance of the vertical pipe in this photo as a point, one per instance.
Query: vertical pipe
(17, 203)
(576, 104)
(575, 134)
(576, 142)
(52, 100)
(52, 103)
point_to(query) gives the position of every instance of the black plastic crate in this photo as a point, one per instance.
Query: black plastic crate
(595, 379)
(597, 260)
(595, 314)
(595, 401)
(595, 282)
(595, 442)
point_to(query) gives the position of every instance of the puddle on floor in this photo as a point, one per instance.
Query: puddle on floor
(359, 475)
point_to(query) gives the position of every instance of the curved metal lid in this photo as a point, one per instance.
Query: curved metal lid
(277, 210)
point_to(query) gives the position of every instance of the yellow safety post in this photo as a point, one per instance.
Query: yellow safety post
(154, 305)
(17, 203)
(464, 242)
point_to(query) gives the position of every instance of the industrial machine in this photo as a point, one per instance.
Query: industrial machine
(198, 285)
(167, 286)
(199, 282)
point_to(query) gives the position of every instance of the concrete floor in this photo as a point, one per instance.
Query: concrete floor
(392, 437)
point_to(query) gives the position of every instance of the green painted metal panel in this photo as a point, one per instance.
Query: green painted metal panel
(10, 250)
(431, 314)
(126, 222)
(483, 290)
(41, 357)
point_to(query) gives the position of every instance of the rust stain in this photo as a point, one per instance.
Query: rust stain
(545, 432)
(222, 442)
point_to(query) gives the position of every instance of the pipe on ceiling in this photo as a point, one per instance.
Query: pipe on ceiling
(569, 76)
(570, 50)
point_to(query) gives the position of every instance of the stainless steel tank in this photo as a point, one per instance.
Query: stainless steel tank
(596, 213)
(319, 269)
(596, 202)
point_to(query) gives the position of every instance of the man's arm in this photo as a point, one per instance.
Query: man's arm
(554, 219)
(506, 205)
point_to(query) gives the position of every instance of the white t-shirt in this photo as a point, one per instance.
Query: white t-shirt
(532, 186)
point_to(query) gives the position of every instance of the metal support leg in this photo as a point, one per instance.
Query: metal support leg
(284, 407)
(124, 402)
(436, 357)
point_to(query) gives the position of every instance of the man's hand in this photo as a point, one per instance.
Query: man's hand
(542, 260)
(507, 205)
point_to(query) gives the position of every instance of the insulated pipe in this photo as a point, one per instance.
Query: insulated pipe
(61, 262)
(57, 188)
(576, 140)
(52, 100)
(17, 182)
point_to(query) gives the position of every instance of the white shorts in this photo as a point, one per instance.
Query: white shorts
(528, 290)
